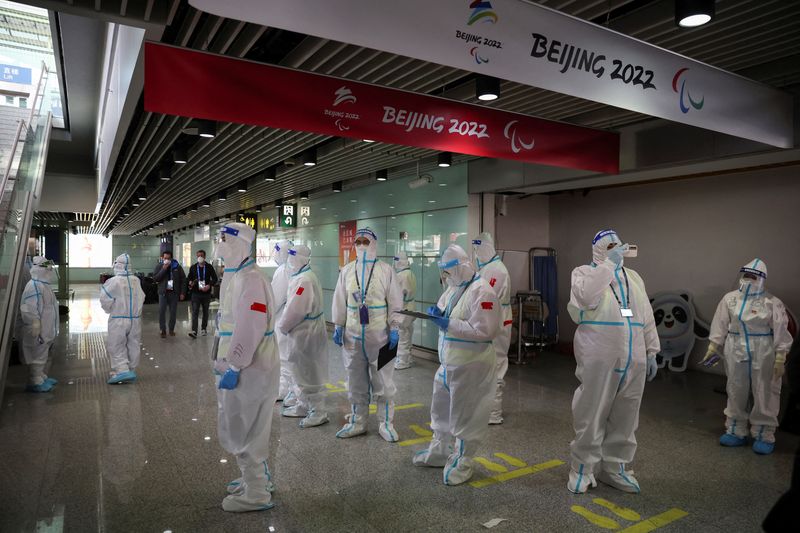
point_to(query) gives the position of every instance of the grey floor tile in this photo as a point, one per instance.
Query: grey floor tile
(146, 457)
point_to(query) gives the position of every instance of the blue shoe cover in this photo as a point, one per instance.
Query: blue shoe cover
(44, 387)
(52, 381)
(123, 377)
(763, 448)
(731, 440)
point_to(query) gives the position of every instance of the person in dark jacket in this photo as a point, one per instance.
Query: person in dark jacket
(201, 278)
(171, 287)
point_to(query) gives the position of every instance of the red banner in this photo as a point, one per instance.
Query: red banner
(347, 239)
(202, 85)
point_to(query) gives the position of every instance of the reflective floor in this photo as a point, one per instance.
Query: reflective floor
(144, 457)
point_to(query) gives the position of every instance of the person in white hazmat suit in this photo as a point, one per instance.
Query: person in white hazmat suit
(408, 284)
(122, 297)
(365, 305)
(468, 316)
(752, 326)
(280, 284)
(39, 312)
(615, 349)
(495, 273)
(247, 358)
(303, 324)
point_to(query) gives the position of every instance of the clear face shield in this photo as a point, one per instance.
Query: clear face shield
(751, 281)
(447, 272)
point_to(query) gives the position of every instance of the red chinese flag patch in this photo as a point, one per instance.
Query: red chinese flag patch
(487, 305)
(300, 291)
(508, 322)
(492, 281)
(257, 306)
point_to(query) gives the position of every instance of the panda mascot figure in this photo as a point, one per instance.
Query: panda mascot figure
(678, 326)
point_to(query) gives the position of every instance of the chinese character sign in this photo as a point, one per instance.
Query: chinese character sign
(14, 74)
(251, 219)
(305, 215)
(347, 238)
(287, 216)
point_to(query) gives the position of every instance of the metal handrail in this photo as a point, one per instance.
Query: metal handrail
(13, 153)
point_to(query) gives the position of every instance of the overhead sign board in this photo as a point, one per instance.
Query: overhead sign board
(527, 43)
(245, 92)
(287, 216)
(15, 74)
(251, 219)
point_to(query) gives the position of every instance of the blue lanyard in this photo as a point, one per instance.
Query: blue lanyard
(204, 272)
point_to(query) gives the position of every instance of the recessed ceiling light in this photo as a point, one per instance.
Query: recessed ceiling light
(368, 141)
(693, 13)
(431, 201)
(487, 88)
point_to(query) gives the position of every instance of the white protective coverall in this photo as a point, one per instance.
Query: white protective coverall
(464, 385)
(612, 352)
(408, 284)
(494, 272)
(122, 298)
(303, 324)
(247, 346)
(39, 311)
(280, 284)
(751, 324)
(371, 283)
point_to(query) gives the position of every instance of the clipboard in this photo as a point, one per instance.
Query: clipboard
(416, 314)
(385, 355)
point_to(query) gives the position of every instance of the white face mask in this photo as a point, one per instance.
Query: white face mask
(361, 249)
(166, 261)
(201, 260)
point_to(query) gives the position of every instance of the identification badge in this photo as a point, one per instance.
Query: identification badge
(626, 313)
(363, 314)
(201, 285)
(169, 285)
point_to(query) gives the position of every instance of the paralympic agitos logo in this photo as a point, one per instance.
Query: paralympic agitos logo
(481, 12)
(680, 77)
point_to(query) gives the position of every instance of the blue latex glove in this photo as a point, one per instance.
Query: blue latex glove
(434, 311)
(394, 338)
(230, 380)
(615, 254)
(439, 320)
(338, 334)
(652, 368)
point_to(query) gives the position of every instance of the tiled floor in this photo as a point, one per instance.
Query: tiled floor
(144, 457)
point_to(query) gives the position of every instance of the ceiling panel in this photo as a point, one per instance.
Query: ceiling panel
(760, 39)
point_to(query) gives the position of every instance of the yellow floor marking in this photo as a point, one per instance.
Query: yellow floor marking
(333, 388)
(408, 406)
(412, 442)
(422, 432)
(513, 461)
(623, 512)
(656, 522)
(490, 465)
(374, 408)
(500, 478)
(343, 384)
(596, 519)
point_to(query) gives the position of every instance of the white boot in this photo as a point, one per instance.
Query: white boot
(255, 496)
(385, 417)
(615, 475)
(458, 469)
(317, 414)
(437, 452)
(580, 479)
(356, 423)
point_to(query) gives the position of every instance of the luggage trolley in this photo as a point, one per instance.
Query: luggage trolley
(533, 309)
